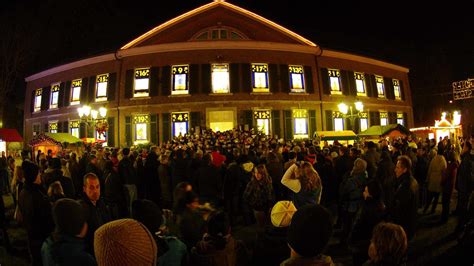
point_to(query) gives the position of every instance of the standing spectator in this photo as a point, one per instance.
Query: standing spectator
(4, 184)
(465, 184)
(114, 193)
(231, 186)
(165, 182)
(179, 167)
(386, 177)
(128, 177)
(55, 192)
(77, 180)
(259, 194)
(435, 172)
(190, 222)
(207, 182)
(404, 208)
(97, 213)
(35, 211)
(304, 182)
(308, 235)
(276, 171)
(151, 179)
(66, 246)
(372, 157)
(217, 158)
(447, 182)
(55, 174)
(421, 172)
(93, 167)
(388, 245)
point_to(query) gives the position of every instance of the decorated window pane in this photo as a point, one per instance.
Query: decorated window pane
(263, 120)
(296, 78)
(180, 123)
(364, 124)
(101, 87)
(53, 127)
(76, 86)
(338, 124)
(37, 103)
(396, 89)
(360, 83)
(220, 78)
(74, 126)
(260, 78)
(36, 129)
(141, 127)
(142, 82)
(180, 79)
(400, 119)
(301, 123)
(383, 118)
(380, 86)
(54, 96)
(335, 81)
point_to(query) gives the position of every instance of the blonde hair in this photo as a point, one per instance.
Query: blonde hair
(360, 165)
(55, 189)
(262, 170)
(309, 177)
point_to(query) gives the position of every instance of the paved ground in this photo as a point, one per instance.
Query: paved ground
(432, 245)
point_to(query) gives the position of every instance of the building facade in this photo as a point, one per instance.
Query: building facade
(222, 67)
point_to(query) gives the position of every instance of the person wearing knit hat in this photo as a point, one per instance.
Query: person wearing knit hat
(282, 212)
(308, 234)
(66, 245)
(124, 242)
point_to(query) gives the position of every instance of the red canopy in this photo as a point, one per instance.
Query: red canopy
(10, 135)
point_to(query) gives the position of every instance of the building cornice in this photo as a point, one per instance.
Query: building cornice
(362, 59)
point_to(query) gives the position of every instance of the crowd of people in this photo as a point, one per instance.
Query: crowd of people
(176, 203)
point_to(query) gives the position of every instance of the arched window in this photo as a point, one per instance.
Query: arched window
(219, 33)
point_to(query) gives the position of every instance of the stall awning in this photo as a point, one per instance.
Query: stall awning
(54, 138)
(337, 135)
(10, 135)
(384, 130)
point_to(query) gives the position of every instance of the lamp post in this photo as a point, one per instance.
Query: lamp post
(345, 109)
(93, 118)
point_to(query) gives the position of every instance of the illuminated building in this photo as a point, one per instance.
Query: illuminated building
(218, 66)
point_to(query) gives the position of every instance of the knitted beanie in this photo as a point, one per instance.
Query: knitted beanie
(282, 212)
(68, 216)
(310, 230)
(124, 242)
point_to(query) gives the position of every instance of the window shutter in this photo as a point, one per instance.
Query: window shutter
(308, 79)
(345, 83)
(312, 123)
(91, 91)
(356, 126)
(32, 101)
(67, 94)
(82, 130)
(166, 126)
(45, 96)
(65, 126)
(165, 83)
(288, 125)
(234, 78)
(402, 90)
(276, 130)
(374, 118)
(129, 77)
(128, 131)
(195, 119)
(248, 118)
(111, 132)
(325, 81)
(154, 78)
(388, 84)
(111, 87)
(329, 120)
(194, 79)
(206, 78)
(285, 78)
(46, 128)
(392, 117)
(246, 78)
(405, 119)
(154, 128)
(83, 93)
(61, 95)
(351, 83)
(273, 78)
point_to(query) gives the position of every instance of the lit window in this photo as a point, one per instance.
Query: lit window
(101, 88)
(37, 104)
(220, 78)
(74, 128)
(53, 127)
(101, 137)
(76, 91)
(263, 121)
(180, 124)
(54, 96)
(338, 124)
(260, 78)
(142, 82)
(180, 79)
(400, 119)
(396, 89)
(296, 79)
(301, 123)
(141, 128)
(380, 86)
(364, 124)
(335, 81)
(360, 83)
(383, 118)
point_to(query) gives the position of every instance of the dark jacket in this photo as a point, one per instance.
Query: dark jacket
(97, 215)
(66, 182)
(66, 250)
(151, 179)
(386, 177)
(127, 172)
(206, 253)
(465, 175)
(207, 182)
(165, 182)
(404, 209)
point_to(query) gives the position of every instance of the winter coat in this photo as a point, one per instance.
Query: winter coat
(435, 173)
(205, 252)
(259, 195)
(405, 203)
(63, 250)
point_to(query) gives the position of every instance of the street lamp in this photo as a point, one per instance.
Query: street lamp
(94, 118)
(345, 109)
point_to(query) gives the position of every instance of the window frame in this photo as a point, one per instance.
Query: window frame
(383, 117)
(397, 88)
(262, 69)
(101, 79)
(55, 88)
(144, 120)
(179, 117)
(335, 119)
(379, 81)
(37, 99)
(142, 73)
(298, 70)
(298, 114)
(334, 74)
(213, 67)
(75, 84)
(185, 70)
(362, 79)
(263, 114)
(53, 126)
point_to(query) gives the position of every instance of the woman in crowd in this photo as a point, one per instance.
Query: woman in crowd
(259, 194)
(55, 191)
(304, 182)
(388, 245)
(435, 172)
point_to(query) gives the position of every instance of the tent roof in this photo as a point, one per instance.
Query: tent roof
(337, 135)
(383, 130)
(54, 138)
(10, 135)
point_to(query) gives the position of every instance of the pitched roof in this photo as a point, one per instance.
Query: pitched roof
(208, 7)
(337, 135)
(54, 138)
(384, 130)
(10, 135)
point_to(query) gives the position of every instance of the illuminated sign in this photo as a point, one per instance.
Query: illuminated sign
(463, 89)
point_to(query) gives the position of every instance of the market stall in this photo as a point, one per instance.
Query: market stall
(56, 142)
(10, 141)
(442, 128)
(391, 131)
(345, 137)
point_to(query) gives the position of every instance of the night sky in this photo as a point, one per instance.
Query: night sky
(434, 41)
